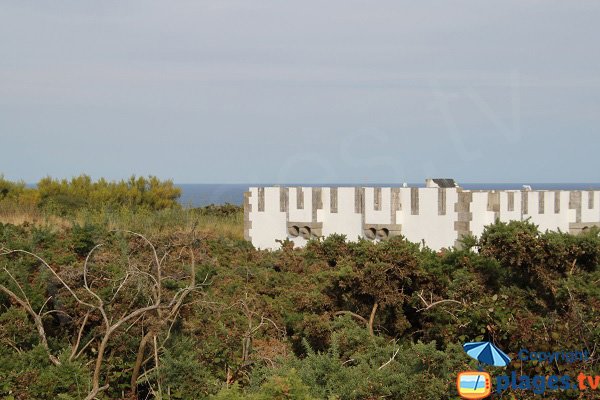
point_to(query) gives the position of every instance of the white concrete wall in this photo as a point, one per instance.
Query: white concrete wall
(382, 216)
(270, 224)
(506, 214)
(346, 221)
(547, 219)
(479, 210)
(297, 214)
(590, 214)
(437, 231)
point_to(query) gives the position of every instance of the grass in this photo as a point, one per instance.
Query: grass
(202, 220)
(182, 219)
(19, 214)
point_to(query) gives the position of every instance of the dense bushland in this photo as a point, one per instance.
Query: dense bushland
(215, 318)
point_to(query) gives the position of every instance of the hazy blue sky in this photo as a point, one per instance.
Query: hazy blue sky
(301, 91)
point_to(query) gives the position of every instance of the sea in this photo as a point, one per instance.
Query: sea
(200, 195)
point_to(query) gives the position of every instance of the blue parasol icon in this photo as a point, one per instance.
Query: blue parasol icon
(487, 353)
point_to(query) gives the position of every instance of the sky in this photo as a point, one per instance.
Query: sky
(301, 91)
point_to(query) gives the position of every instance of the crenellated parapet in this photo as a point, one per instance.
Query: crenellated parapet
(437, 216)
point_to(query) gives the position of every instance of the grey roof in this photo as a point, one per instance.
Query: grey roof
(445, 182)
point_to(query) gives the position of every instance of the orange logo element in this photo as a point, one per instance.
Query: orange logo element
(474, 385)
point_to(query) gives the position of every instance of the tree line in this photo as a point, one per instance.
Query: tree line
(64, 196)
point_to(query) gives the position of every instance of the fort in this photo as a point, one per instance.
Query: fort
(437, 215)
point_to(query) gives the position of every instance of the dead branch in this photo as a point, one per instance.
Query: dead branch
(368, 323)
(354, 315)
(173, 311)
(93, 302)
(434, 303)
(79, 334)
(37, 320)
(53, 273)
(156, 259)
(573, 266)
(392, 358)
(372, 318)
(156, 366)
(139, 360)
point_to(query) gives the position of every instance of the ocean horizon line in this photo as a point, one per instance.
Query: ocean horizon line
(203, 194)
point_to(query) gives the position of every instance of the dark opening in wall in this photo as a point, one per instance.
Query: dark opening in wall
(383, 233)
(305, 232)
(294, 230)
(371, 233)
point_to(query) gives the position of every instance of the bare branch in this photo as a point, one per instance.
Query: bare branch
(85, 346)
(100, 305)
(139, 361)
(372, 317)
(156, 366)
(354, 315)
(95, 391)
(120, 287)
(156, 260)
(76, 345)
(53, 273)
(37, 320)
(434, 303)
(13, 345)
(44, 305)
(148, 282)
(390, 360)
